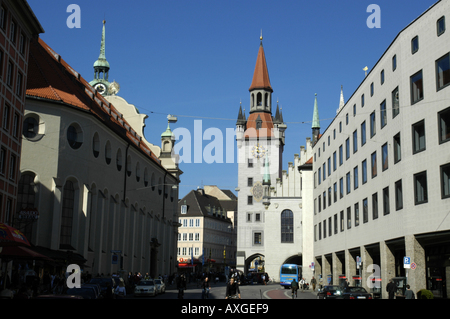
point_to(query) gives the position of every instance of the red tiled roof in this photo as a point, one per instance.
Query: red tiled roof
(51, 78)
(266, 125)
(261, 75)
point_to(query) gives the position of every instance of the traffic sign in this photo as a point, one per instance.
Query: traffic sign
(406, 262)
(413, 266)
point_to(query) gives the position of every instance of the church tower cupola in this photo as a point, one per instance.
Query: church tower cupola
(101, 68)
(260, 89)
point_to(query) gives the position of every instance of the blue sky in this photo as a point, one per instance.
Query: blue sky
(196, 58)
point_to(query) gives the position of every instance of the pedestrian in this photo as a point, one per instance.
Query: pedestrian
(263, 279)
(313, 283)
(409, 294)
(294, 288)
(120, 291)
(181, 286)
(391, 288)
(345, 284)
(206, 287)
(232, 291)
(302, 284)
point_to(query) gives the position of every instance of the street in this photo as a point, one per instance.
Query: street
(248, 292)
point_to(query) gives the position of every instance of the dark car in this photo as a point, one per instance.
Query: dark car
(104, 283)
(85, 292)
(252, 278)
(356, 293)
(330, 292)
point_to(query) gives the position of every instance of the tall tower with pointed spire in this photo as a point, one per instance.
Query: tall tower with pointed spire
(315, 122)
(101, 68)
(260, 143)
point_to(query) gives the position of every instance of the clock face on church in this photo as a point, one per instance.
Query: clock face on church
(101, 88)
(258, 151)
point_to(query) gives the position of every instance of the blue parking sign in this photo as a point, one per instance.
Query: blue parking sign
(406, 262)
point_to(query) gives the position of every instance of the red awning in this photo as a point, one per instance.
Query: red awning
(186, 266)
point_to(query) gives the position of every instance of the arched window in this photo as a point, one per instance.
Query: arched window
(259, 99)
(287, 226)
(26, 198)
(68, 202)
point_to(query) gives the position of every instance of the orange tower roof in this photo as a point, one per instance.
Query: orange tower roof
(261, 75)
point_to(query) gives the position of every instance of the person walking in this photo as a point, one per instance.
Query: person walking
(302, 284)
(409, 294)
(391, 288)
(206, 287)
(294, 288)
(313, 283)
(232, 291)
(181, 286)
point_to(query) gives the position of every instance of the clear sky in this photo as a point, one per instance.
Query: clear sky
(195, 59)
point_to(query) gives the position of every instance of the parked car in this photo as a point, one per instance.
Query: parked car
(330, 292)
(356, 293)
(85, 292)
(145, 288)
(104, 283)
(160, 286)
(96, 287)
(252, 278)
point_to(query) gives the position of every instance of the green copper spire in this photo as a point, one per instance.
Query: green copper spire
(168, 132)
(101, 62)
(316, 120)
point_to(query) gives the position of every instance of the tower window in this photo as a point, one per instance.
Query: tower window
(259, 99)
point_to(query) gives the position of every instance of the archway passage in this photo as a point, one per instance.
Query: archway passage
(254, 263)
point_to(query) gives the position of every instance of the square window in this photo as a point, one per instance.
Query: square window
(257, 238)
(443, 72)
(415, 44)
(249, 200)
(445, 181)
(417, 93)
(250, 181)
(441, 26)
(418, 132)
(420, 188)
(444, 125)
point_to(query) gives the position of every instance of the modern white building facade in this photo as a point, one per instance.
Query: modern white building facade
(382, 167)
